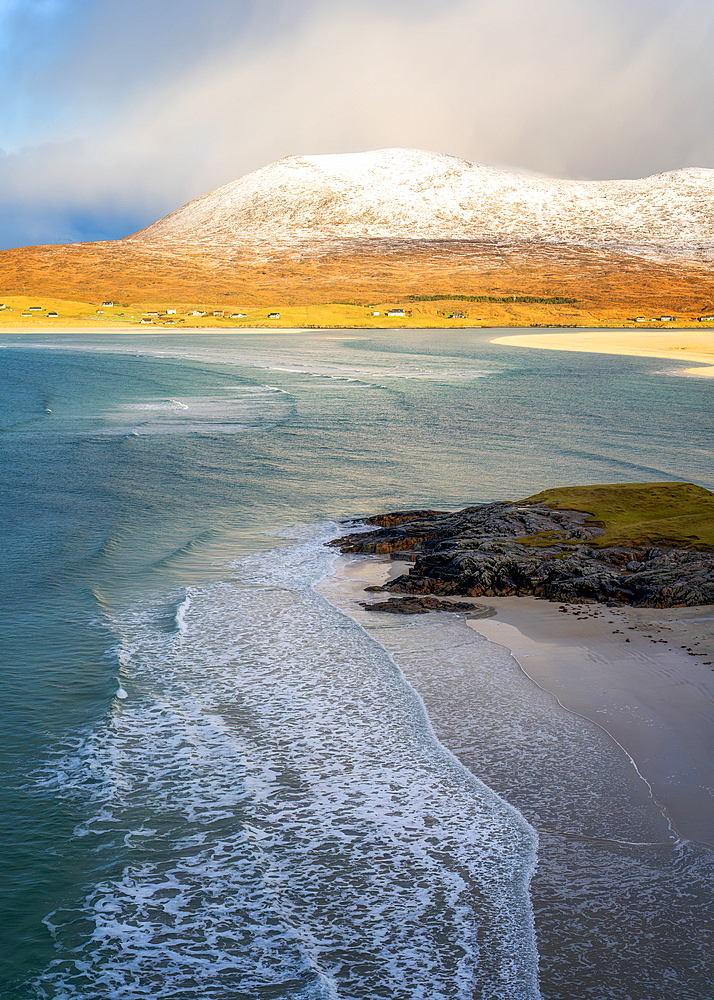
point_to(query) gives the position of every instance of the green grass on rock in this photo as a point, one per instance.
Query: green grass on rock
(680, 515)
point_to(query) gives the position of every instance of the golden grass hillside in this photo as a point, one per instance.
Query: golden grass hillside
(341, 284)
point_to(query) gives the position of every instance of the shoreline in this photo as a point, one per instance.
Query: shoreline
(622, 669)
(632, 341)
(669, 344)
(655, 699)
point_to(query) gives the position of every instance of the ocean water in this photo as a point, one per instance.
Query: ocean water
(219, 784)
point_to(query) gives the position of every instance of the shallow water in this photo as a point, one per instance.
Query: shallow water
(216, 783)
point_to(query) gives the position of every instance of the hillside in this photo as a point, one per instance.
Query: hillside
(395, 227)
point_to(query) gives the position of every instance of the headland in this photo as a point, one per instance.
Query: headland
(643, 544)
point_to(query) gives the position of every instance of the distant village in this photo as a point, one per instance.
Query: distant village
(171, 315)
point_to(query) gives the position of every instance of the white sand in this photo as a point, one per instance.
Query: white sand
(676, 344)
(655, 698)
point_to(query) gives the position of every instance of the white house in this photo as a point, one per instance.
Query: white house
(396, 312)
(273, 315)
(107, 305)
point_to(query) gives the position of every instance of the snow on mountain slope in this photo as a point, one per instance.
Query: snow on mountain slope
(412, 194)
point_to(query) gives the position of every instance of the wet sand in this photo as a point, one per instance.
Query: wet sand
(677, 344)
(645, 676)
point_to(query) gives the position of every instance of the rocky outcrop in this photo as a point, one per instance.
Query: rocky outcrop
(423, 605)
(418, 531)
(505, 549)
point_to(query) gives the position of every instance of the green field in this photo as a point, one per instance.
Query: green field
(680, 515)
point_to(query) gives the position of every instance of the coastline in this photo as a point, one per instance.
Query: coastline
(653, 697)
(673, 344)
(680, 342)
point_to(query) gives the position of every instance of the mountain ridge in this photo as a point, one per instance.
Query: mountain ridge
(406, 194)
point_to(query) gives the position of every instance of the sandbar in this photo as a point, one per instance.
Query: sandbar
(645, 676)
(676, 344)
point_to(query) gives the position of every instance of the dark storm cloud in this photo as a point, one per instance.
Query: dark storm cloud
(141, 106)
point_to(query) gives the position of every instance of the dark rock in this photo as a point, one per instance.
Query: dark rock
(401, 532)
(481, 551)
(423, 605)
(399, 517)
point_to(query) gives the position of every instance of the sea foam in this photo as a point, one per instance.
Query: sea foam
(284, 821)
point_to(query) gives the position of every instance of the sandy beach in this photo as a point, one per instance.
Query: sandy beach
(681, 345)
(644, 676)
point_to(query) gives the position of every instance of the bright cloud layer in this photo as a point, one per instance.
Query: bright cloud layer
(115, 114)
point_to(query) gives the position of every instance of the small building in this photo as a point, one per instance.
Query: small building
(456, 315)
(640, 319)
(396, 312)
(667, 319)
(702, 319)
(239, 315)
(219, 312)
(145, 319)
(33, 309)
(170, 312)
(273, 315)
(51, 315)
(107, 305)
(197, 312)
(375, 313)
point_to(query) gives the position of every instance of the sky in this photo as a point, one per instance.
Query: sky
(115, 112)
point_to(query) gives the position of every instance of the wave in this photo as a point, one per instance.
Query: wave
(284, 821)
(186, 549)
(180, 617)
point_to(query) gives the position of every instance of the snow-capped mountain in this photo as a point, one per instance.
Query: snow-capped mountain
(405, 194)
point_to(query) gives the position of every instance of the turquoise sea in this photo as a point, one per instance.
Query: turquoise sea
(216, 784)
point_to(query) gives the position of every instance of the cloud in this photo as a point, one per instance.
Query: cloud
(153, 105)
